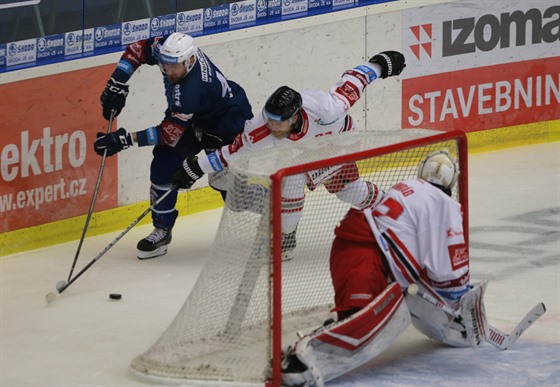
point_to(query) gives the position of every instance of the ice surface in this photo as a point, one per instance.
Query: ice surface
(84, 338)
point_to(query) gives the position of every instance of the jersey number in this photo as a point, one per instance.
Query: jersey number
(389, 207)
(225, 85)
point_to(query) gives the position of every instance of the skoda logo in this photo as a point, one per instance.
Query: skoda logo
(207, 14)
(41, 44)
(234, 9)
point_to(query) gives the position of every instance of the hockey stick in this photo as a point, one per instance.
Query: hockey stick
(495, 337)
(61, 286)
(93, 200)
(504, 341)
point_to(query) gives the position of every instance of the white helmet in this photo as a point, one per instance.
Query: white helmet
(178, 48)
(440, 168)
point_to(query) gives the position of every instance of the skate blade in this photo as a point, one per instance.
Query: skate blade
(152, 254)
(288, 256)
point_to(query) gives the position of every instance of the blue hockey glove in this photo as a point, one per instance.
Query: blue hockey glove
(114, 142)
(391, 62)
(188, 174)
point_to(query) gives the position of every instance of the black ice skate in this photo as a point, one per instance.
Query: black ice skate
(155, 244)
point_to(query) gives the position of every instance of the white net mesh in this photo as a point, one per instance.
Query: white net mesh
(222, 333)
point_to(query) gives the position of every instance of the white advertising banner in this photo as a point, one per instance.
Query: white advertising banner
(480, 65)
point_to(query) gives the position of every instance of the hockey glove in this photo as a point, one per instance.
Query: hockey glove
(113, 142)
(391, 62)
(113, 97)
(188, 174)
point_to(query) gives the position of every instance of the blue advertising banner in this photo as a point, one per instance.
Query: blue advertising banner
(162, 25)
(107, 38)
(78, 43)
(205, 21)
(135, 31)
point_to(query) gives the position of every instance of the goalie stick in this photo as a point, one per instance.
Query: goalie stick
(494, 336)
(505, 340)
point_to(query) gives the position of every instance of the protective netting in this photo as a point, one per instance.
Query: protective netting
(222, 333)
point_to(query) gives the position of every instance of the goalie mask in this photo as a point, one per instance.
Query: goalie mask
(178, 48)
(440, 169)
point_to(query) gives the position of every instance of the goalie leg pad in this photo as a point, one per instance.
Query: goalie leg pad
(465, 327)
(473, 314)
(433, 321)
(340, 347)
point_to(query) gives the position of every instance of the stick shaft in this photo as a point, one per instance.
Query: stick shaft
(93, 200)
(114, 242)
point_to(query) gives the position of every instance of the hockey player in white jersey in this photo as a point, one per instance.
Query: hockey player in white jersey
(289, 116)
(414, 236)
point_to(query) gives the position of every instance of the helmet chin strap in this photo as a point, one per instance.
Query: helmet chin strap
(192, 62)
(297, 123)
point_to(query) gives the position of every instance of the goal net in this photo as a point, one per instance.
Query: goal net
(248, 303)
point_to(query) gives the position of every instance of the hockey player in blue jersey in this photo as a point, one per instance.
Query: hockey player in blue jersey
(205, 112)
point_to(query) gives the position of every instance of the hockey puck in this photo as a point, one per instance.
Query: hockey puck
(115, 296)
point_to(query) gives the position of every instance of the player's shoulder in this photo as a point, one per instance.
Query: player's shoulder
(256, 130)
(313, 99)
(318, 104)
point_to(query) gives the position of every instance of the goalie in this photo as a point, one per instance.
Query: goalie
(414, 236)
(289, 116)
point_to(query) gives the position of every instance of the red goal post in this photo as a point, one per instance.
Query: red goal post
(248, 304)
(413, 150)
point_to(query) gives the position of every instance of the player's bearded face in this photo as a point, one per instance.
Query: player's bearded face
(174, 72)
(279, 129)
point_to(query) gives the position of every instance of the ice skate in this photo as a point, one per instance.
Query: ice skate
(155, 244)
(288, 246)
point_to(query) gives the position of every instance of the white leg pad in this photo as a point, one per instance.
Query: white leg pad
(343, 346)
(433, 321)
(473, 313)
(466, 328)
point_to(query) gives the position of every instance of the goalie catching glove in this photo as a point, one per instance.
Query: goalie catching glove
(112, 142)
(188, 174)
(391, 62)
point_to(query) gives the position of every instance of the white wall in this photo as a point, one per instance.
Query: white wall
(309, 53)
